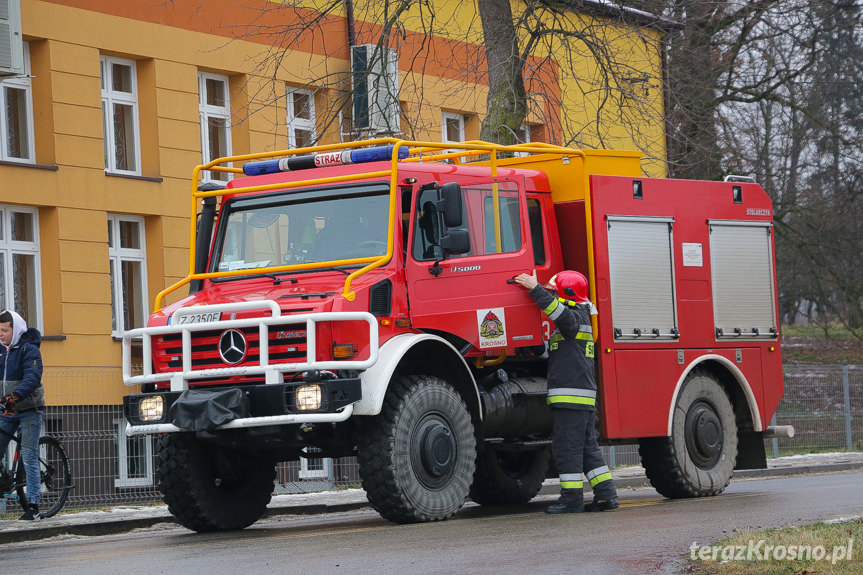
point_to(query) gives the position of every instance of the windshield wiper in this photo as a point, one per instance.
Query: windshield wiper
(277, 279)
(336, 269)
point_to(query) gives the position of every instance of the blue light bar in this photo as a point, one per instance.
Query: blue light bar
(293, 163)
(379, 153)
(261, 168)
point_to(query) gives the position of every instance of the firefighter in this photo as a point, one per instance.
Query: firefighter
(572, 392)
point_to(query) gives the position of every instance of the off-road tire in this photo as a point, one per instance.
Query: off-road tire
(508, 477)
(417, 456)
(699, 457)
(209, 488)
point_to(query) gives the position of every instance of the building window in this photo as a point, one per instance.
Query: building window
(16, 119)
(20, 281)
(128, 273)
(314, 467)
(453, 127)
(301, 118)
(215, 110)
(120, 116)
(134, 463)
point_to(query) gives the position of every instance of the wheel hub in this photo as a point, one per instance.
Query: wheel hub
(435, 452)
(704, 435)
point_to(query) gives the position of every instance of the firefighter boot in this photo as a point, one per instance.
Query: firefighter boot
(604, 496)
(570, 501)
(602, 505)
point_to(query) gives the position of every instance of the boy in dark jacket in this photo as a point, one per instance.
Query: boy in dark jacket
(572, 393)
(23, 395)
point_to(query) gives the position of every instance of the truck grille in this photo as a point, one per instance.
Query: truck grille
(287, 344)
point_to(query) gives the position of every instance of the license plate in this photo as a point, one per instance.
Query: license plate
(199, 317)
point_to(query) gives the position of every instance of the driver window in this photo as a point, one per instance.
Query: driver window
(479, 220)
(427, 228)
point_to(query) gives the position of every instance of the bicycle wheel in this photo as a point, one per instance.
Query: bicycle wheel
(56, 477)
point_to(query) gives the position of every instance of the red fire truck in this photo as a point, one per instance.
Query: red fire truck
(358, 300)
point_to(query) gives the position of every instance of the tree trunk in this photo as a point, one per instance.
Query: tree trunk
(507, 99)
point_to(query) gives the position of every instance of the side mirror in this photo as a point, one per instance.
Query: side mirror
(456, 242)
(450, 204)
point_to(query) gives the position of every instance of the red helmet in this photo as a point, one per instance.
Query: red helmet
(570, 285)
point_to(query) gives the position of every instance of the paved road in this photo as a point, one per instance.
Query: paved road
(648, 535)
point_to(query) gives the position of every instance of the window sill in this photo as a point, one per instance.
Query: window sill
(29, 165)
(53, 338)
(133, 177)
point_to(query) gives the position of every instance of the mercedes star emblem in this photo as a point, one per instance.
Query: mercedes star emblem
(232, 346)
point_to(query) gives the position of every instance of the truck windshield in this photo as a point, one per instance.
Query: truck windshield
(301, 227)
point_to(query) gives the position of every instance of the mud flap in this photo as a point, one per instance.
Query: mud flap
(205, 409)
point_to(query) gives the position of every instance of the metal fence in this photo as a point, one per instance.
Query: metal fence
(824, 403)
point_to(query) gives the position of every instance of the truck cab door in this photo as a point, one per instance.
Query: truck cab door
(459, 273)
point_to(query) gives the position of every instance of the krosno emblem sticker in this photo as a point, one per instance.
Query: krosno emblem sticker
(492, 327)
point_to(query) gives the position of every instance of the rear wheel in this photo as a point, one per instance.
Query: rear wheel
(55, 478)
(417, 456)
(508, 477)
(699, 457)
(212, 488)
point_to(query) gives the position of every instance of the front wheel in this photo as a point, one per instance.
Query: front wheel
(417, 456)
(212, 488)
(55, 478)
(699, 457)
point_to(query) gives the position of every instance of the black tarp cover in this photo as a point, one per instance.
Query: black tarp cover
(206, 409)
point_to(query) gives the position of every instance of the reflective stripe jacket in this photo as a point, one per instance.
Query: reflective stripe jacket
(571, 383)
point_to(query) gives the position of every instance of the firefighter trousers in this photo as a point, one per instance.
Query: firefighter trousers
(577, 456)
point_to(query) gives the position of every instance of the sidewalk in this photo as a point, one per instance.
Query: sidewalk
(124, 519)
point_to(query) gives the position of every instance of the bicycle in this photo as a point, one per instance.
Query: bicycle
(56, 475)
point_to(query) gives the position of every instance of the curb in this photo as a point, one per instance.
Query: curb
(124, 525)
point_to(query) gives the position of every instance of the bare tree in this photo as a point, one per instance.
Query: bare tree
(786, 109)
(507, 98)
(528, 47)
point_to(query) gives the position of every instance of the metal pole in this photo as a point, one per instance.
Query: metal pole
(331, 475)
(775, 440)
(846, 395)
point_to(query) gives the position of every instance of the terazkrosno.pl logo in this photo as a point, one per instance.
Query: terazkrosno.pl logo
(760, 550)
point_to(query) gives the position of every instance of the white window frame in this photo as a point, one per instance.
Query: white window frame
(295, 123)
(461, 124)
(324, 472)
(111, 97)
(117, 255)
(10, 247)
(122, 479)
(207, 111)
(18, 83)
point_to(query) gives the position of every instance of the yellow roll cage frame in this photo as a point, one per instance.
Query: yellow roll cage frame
(418, 151)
